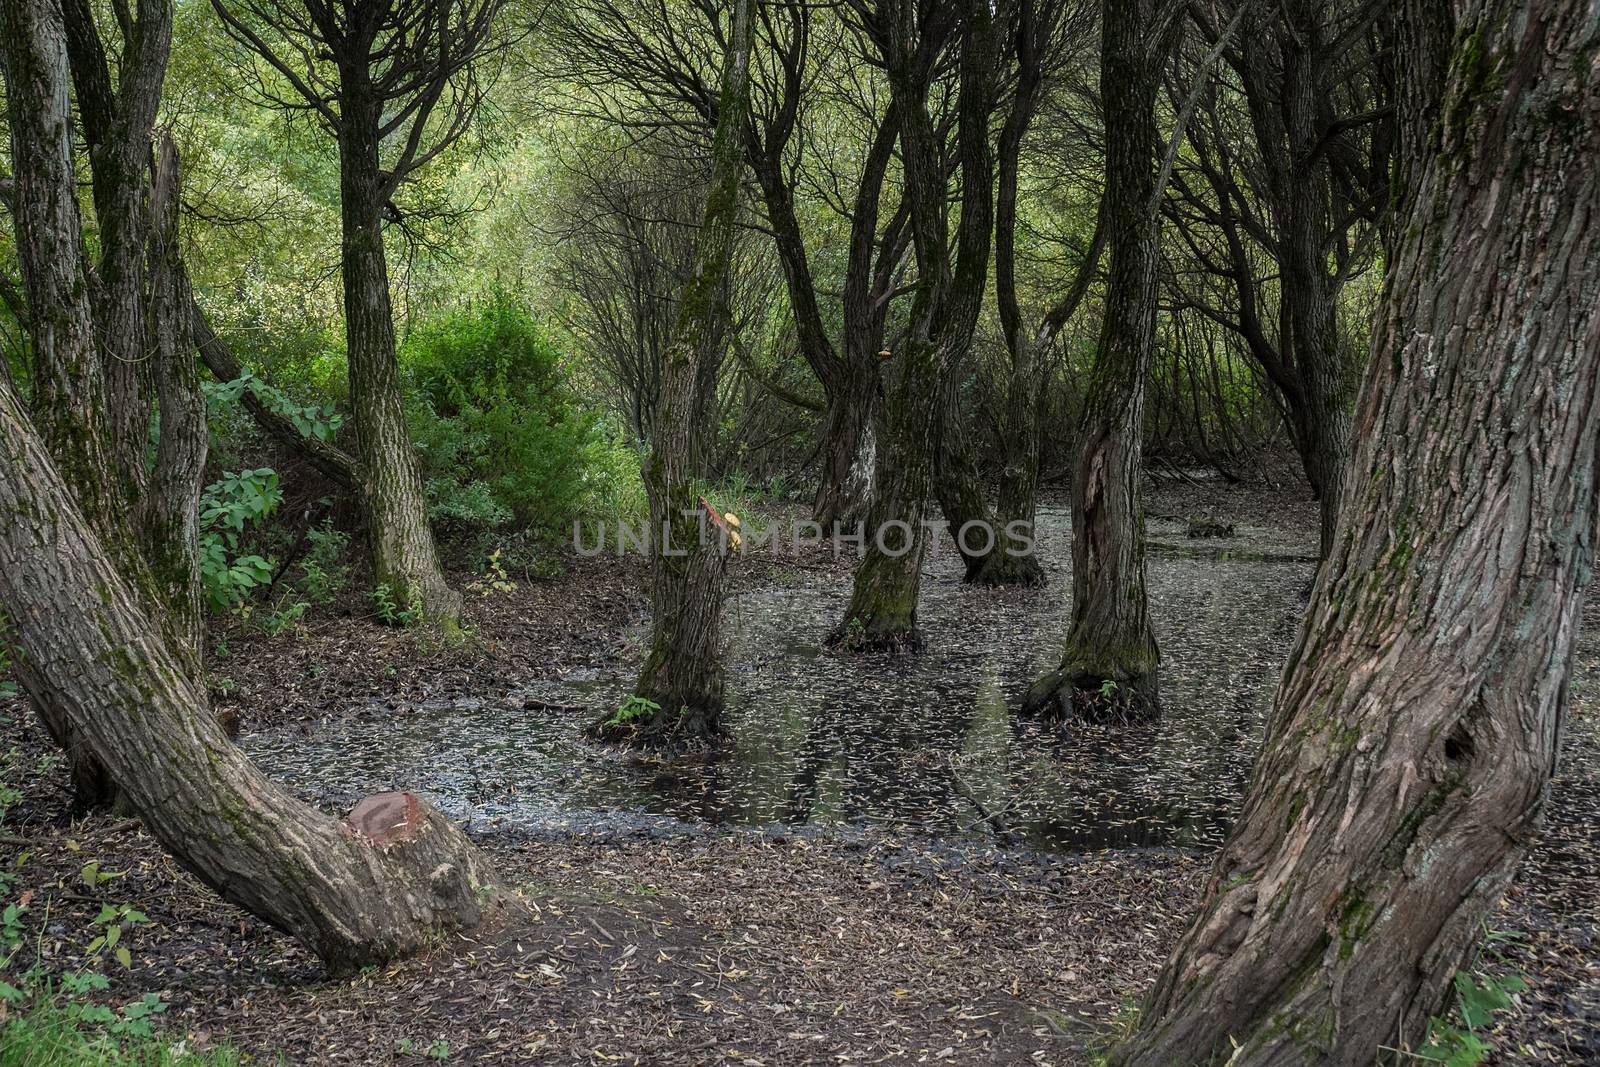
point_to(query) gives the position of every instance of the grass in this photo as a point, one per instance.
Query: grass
(48, 1037)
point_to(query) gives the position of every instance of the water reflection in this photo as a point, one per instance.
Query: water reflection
(924, 744)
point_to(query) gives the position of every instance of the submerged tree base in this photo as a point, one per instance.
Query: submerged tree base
(884, 637)
(644, 723)
(1000, 569)
(1083, 695)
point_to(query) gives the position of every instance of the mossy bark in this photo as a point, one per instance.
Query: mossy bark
(1412, 739)
(952, 276)
(352, 898)
(682, 674)
(1109, 668)
(405, 559)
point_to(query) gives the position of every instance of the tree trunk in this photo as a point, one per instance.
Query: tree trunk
(682, 675)
(405, 560)
(168, 521)
(1413, 736)
(69, 401)
(1310, 294)
(849, 453)
(1013, 560)
(117, 120)
(882, 614)
(1109, 669)
(357, 892)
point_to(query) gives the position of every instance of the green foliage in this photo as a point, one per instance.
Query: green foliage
(632, 710)
(239, 500)
(1456, 1042)
(439, 1049)
(69, 1019)
(494, 578)
(323, 571)
(501, 436)
(8, 686)
(51, 1034)
(319, 421)
(391, 612)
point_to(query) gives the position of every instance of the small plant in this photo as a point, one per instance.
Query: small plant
(1109, 689)
(439, 1049)
(286, 616)
(390, 611)
(8, 687)
(632, 710)
(323, 572)
(239, 499)
(494, 579)
(1478, 997)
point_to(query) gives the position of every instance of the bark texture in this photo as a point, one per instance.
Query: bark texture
(882, 614)
(405, 560)
(1413, 736)
(682, 674)
(68, 385)
(168, 519)
(1109, 669)
(353, 896)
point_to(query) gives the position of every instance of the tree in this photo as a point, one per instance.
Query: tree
(680, 684)
(83, 323)
(100, 649)
(1111, 660)
(1043, 33)
(642, 66)
(1308, 188)
(912, 40)
(1413, 736)
(379, 884)
(394, 82)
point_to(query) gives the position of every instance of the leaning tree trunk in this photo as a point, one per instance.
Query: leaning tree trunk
(405, 560)
(1109, 669)
(1413, 736)
(682, 674)
(380, 884)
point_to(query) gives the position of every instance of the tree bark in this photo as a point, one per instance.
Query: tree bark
(682, 674)
(1110, 666)
(117, 120)
(882, 614)
(69, 398)
(168, 521)
(1412, 739)
(405, 559)
(357, 892)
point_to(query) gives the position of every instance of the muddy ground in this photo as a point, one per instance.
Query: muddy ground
(696, 945)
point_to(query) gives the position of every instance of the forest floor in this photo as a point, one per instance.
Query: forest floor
(714, 945)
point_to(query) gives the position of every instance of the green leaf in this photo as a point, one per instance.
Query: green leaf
(124, 957)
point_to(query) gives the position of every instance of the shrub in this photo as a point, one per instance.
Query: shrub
(502, 439)
(228, 570)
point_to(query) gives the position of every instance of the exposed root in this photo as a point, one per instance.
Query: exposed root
(1077, 695)
(856, 639)
(682, 729)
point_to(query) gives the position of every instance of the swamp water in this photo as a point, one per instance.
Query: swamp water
(925, 744)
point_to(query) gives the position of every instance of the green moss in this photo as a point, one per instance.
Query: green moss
(1355, 919)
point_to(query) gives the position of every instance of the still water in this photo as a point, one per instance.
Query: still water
(926, 744)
